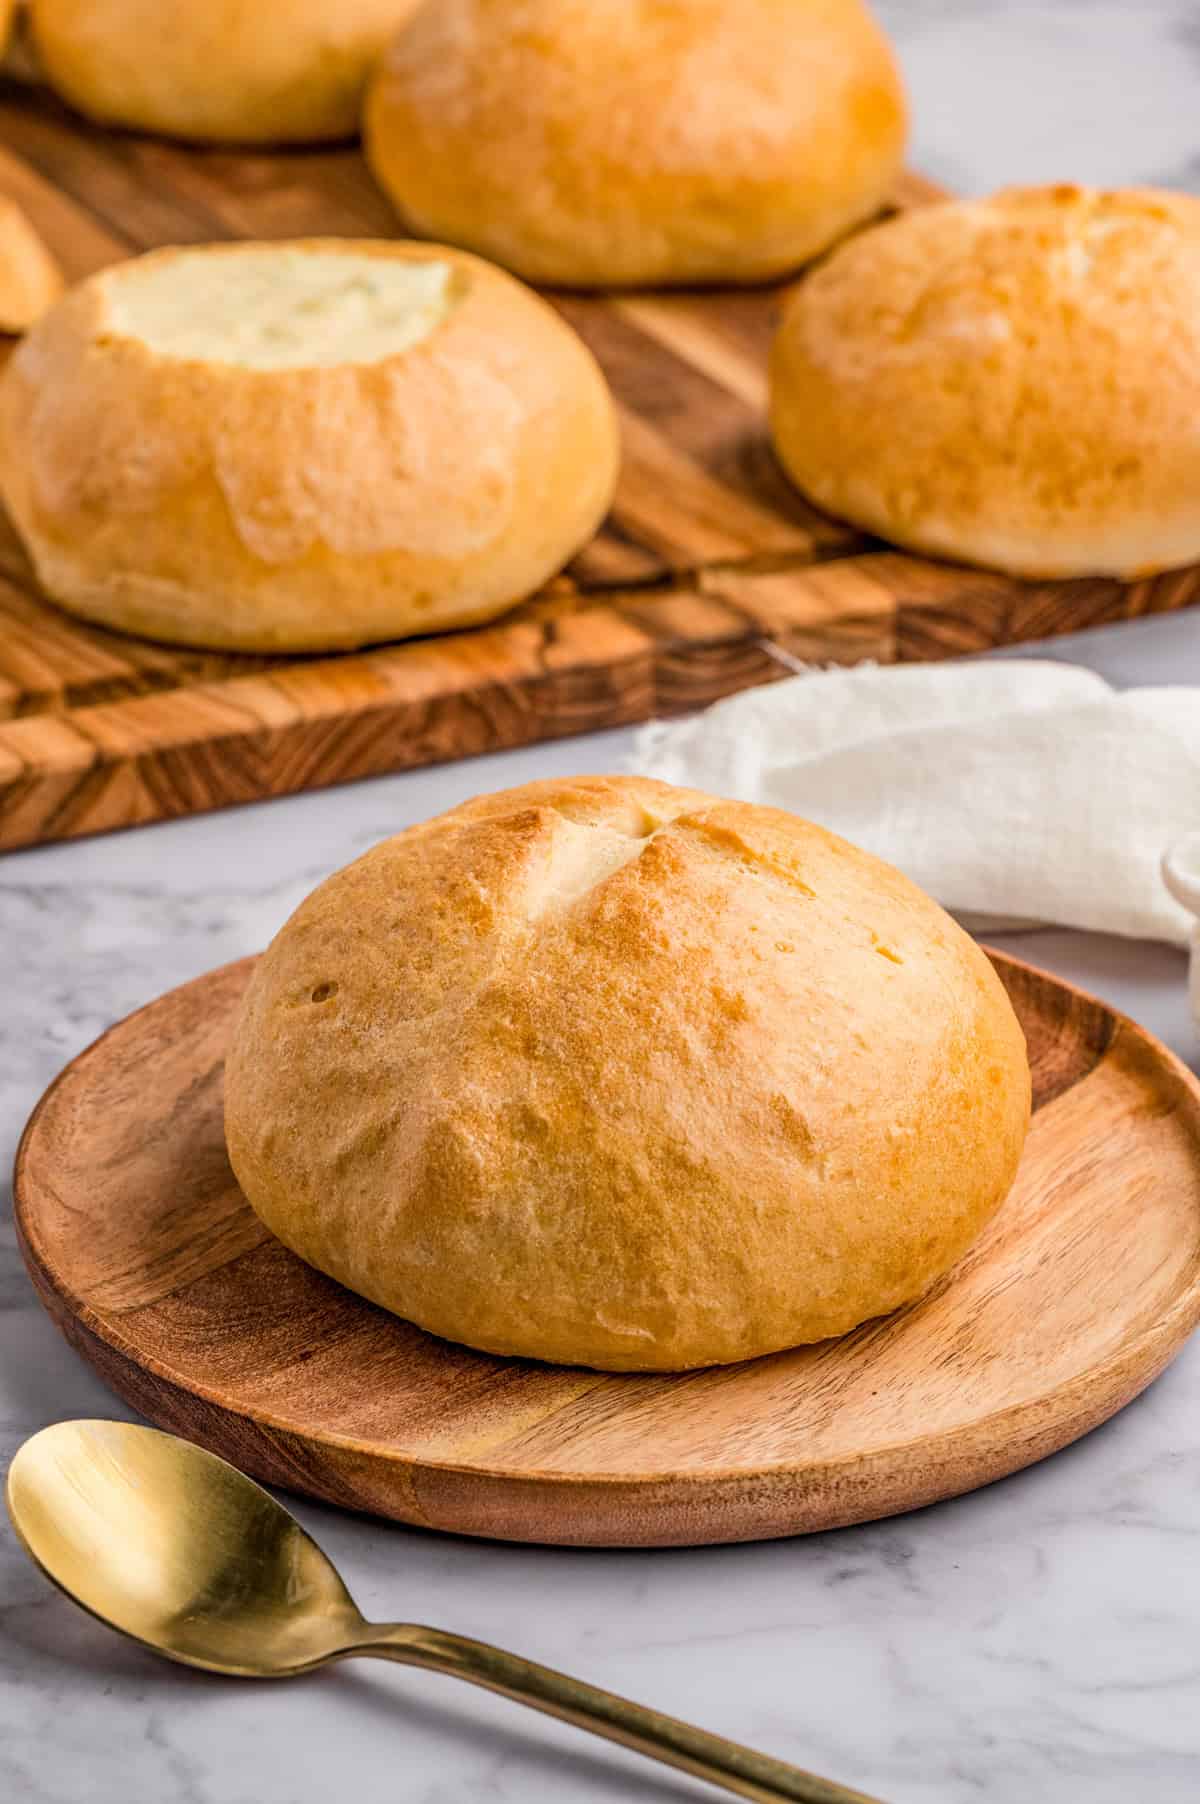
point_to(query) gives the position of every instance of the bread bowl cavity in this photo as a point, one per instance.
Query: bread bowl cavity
(272, 309)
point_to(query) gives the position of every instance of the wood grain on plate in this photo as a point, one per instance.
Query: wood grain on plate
(708, 561)
(145, 1252)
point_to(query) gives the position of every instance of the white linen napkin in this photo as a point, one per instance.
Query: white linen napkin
(1016, 793)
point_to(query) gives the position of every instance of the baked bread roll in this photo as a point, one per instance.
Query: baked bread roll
(302, 447)
(598, 144)
(243, 71)
(616, 1074)
(1013, 382)
(30, 279)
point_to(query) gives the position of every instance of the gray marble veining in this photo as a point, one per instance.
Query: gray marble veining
(1037, 1641)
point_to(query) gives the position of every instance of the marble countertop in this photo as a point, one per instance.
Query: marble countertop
(1039, 1640)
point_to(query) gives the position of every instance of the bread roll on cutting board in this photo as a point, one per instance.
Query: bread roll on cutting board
(30, 279)
(302, 447)
(599, 143)
(241, 71)
(1012, 382)
(611, 1073)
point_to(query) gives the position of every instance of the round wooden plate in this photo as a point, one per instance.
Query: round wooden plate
(147, 1255)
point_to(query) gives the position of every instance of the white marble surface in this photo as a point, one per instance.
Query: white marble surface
(1037, 1641)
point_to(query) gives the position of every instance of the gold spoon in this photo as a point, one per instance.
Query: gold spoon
(183, 1553)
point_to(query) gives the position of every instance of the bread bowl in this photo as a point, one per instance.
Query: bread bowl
(244, 71)
(302, 447)
(30, 279)
(606, 1072)
(1012, 382)
(603, 145)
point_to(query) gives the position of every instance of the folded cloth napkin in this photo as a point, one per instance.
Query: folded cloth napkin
(1015, 792)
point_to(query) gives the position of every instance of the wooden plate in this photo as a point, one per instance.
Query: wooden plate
(147, 1255)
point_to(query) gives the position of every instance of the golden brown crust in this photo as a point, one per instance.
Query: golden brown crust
(8, 9)
(241, 71)
(1013, 381)
(301, 509)
(691, 141)
(610, 1073)
(30, 279)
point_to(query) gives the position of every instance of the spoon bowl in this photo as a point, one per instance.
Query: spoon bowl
(188, 1556)
(177, 1550)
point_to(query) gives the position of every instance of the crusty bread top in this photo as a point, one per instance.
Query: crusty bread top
(604, 1071)
(1013, 380)
(600, 142)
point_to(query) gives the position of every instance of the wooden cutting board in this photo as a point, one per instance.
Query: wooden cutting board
(708, 567)
(145, 1252)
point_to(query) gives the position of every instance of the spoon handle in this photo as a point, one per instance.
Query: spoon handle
(665, 1738)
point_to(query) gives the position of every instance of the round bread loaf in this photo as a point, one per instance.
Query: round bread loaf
(242, 71)
(615, 1074)
(30, 279)
(306, 446)
(606, 142)
(1013, 382)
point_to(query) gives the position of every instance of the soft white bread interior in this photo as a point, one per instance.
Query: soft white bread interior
(634, 142)
(305, 446)
(617, 1074)
(1012, 382)
(267, 309)
(246, 71)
